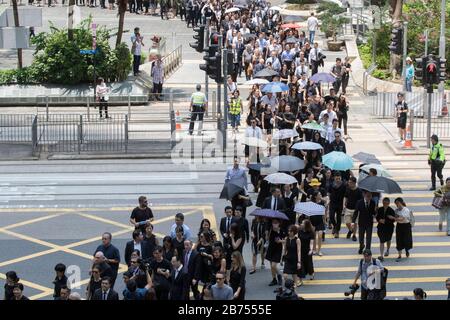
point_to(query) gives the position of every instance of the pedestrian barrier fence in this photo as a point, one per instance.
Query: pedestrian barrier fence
(384, 104)
(438, 125)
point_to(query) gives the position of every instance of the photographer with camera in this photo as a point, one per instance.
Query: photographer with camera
(288, 293)
(161, 270)
(373, 278)
(132, 292)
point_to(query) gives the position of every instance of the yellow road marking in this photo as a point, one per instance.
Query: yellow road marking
(415, 234)
(418, 223)
(316, 282)
(27, 257)
(158, 208)
(31, 221)
(340, 295)
(357, 257)
(356, 245)
(41, 295)
(29, 284)
(397, 268)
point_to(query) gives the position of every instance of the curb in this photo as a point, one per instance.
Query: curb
(401, 151)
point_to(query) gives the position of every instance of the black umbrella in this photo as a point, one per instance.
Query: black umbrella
(366, 157)
(231, 188)
(379, 184)
(264, 73)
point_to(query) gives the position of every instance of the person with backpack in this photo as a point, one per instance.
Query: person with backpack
(369, 269)
(436, 161)
(403, 229)
(444, 205)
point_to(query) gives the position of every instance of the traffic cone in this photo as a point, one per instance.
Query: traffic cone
(444, 106)
(408, 141)
(177, 120)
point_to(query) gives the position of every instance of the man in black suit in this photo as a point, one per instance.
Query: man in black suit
(225, 223)
(137, 243)
(105, 292)
(192, 266)
(275, 202)
(365, 211)
(179, 285)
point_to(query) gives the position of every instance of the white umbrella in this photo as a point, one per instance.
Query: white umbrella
(287, 163)
(280, 178)
(309, 209)
(257, 81)
(255, 142)
(285, 134)
(307, 145)
(275, 8)
(234, 9)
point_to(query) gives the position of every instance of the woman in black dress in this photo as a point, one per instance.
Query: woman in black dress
(292, 255)
(205, 226)
(178, 242)
(237, 276)
(403, 231)
(385, 229)
(237, 238)
(258, 230)
(264, 190)
(284, 74)
(94, 283)
(306, 235)
(318, 223)
(151, 239)
(342, 112)
(168, 248)
(305, 185)
(205, 249)
(219, 263)
(267, 119)
(317, 138)
(275, 238)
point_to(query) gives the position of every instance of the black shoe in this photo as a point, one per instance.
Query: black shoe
(354, 238)
(280, 280)
(273, 283)
(381, 258)
(407, 253)
(349, 234)
(361, 249)
(442, 182)
(432, 188)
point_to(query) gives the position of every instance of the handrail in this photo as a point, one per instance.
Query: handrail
(172, 61)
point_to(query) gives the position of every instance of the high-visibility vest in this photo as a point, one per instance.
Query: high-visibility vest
(235, 106)
(437, 152)
(198, 98)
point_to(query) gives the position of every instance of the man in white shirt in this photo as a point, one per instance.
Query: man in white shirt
(301, 69)
(314, 60)
(331, 130)
(252, 132)
(276, 65)
(331, 114)
(271, 100)
(313, 25)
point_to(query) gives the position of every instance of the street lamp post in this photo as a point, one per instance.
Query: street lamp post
(442, 41)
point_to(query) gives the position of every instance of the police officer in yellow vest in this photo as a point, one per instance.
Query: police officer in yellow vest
(235, 111)
(436, 160)
(199, 104)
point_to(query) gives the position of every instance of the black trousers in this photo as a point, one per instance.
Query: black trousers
(132, 6)
(365, 230)
(344, 84)
(136, 64)
(337, 85)
(197, 111)
(436, 168)
(102, 4)
(157, 89)
(315, 67)
(182, 12)
(344, 121)
(191, 17)
(336, 216)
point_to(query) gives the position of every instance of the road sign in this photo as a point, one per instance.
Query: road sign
(88, 51)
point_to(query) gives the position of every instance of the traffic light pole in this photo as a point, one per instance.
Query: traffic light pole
(205, 47)
(225, 97)
(405, 52)
(429, 93)
(442, 40)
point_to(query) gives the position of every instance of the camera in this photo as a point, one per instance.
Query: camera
(143, 264)
(352, 291)
(287, 293)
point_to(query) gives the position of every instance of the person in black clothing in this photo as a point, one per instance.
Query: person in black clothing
(237, 276)
(141, 215)
(205, 226)
(95, 282)
(168, 248)
(192, 266)
(11, 280)
(111, 255)
(18, 292)
(105, 292)
(275, 202)
(150, 238)
(60, 279)
(137, 243)
(275, 236)
(292, 255)
(290, 197)
(219, 262)
(204, 247)
(337, 144)
(161, 269)
(178, 241)
(258, 229)
(64, 293)
(342, 112)
(337, 194)
(243, 224)
(179, 285)
(351, 197)
(385, 229)
(365, 213)
(237, 238)
(306, 235)
(401, 109)
(346, 74)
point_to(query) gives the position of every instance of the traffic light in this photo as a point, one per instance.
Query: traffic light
(396, 46)
(420, 67)
(442, 69)
(431, 70)
(230, 65)
(198, 45)
(215, 68)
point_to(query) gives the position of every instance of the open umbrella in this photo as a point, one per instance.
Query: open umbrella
(258, 166)
(255, 142)
(257, 81)
(379, 184)
(366, 157)
(269, 213)
(234, 9)
(249, 36)
(232, 187)
(324, 77)
(284, 134)
(292, 40)
(309, 209)
(313, 126)
(337, 160)
(307, 145)
(266, 72)
(290, 26)
(287, 163)
(275, 87)
(280, 178)
(381, 171)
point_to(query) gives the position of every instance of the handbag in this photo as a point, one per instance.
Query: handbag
(446, 200)
(437, 202)
(248, 203)
(412, 219)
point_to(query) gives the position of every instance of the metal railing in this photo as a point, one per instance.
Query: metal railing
(384, 104)
(366, 76)
(16, 127)
(439, 125)
(172, 61)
